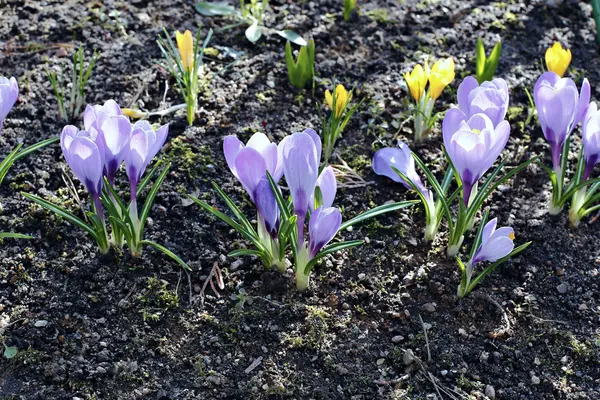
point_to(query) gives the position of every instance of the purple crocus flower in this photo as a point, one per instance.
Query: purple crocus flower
(591, 139)
(85, 159)
(473, 145)
(495, 243)
(301, 154)
(560, 108)
(249, 164)
(113, 129)
(144, 144)
(260, 143)
(9, 92)
(401, 159)
(489, 98)
(322, 227)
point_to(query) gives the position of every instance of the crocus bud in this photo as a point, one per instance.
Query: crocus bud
(442, 73)
(342, 98)
(9, 92)
(145, 142)
(416, 80)
(489, 98)
(591, 139)
(473, 145)
(322, 227)
(560, 108)
(185, 43)
(558, 59)
(495, 243)
(267, 207)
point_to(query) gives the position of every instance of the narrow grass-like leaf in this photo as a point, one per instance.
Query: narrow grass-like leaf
(35, 147)
(332, 248)
(151, 195)
(10, 235)
(167, 252)
(61, 212)
(377, 211)
(493, 266)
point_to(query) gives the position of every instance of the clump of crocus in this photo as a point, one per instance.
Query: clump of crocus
(258, 166)
(95, 155)
(560, 108)
(439, 76)
(485, 67)
(558, 59)
(302, 70)
(184, 61)
(492, 245)
(472, 143)
(342, 109)
(75, 96)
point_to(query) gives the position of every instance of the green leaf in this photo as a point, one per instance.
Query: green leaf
(35, 147)
(10, 235)
(234, 209)
(332, 248)
(491, 63)
(254, 32)
(61, 212)
(378, 211)
(479, 61)
(167, 252)
(216, 9)
(144, 182)
(151, 195)
(245, 252)
(292, 37)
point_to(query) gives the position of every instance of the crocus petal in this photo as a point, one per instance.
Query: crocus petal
(464, 90)
(159, 141)
(116, 133)
(583, 103)
(86, 163)
(135, 157)
(260, 142)
(451, 124)
(401, 159)
(488, 229)
(328, 186)
(231, 147)
(323, 226)
(316, 140)
(300, 165)
(9, 93)
(266, 204)
(251, 168)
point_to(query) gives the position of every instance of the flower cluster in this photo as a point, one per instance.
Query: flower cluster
(259, 165)
(439, 76)
(95, 155)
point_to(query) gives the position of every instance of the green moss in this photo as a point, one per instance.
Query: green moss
(187, 158)
(157, 299)
(379, 15)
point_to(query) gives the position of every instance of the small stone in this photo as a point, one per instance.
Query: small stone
(537, 361)
(490, 392)
(484, 357)
(397, 339)
(535, 380)
(101, 371)
(214, 379)
(408, 357)
(380, 361)
(562, 288)
(444, 372)
(341, 370)
(41, 323)
(429, 307)
(462, 332)
(361, 276)
(103, 344)
(583, 307)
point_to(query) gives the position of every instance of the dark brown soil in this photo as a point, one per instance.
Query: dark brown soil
(94, 327)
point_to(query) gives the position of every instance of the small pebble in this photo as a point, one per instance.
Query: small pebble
(429, 307)
(408, 357)
(397, 339)
(361, 276)
(583, 307)
(562, 288)
(41, 323)
(535, 380)
(490, 392)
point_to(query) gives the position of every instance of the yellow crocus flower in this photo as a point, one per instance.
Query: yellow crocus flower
(558, 59)
(442, 73)
(342, 98)
(185, 43)
(417, 80)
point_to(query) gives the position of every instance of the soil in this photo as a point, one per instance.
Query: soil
(379, 322)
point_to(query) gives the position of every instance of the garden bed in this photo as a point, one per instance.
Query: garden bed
(379, 321)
